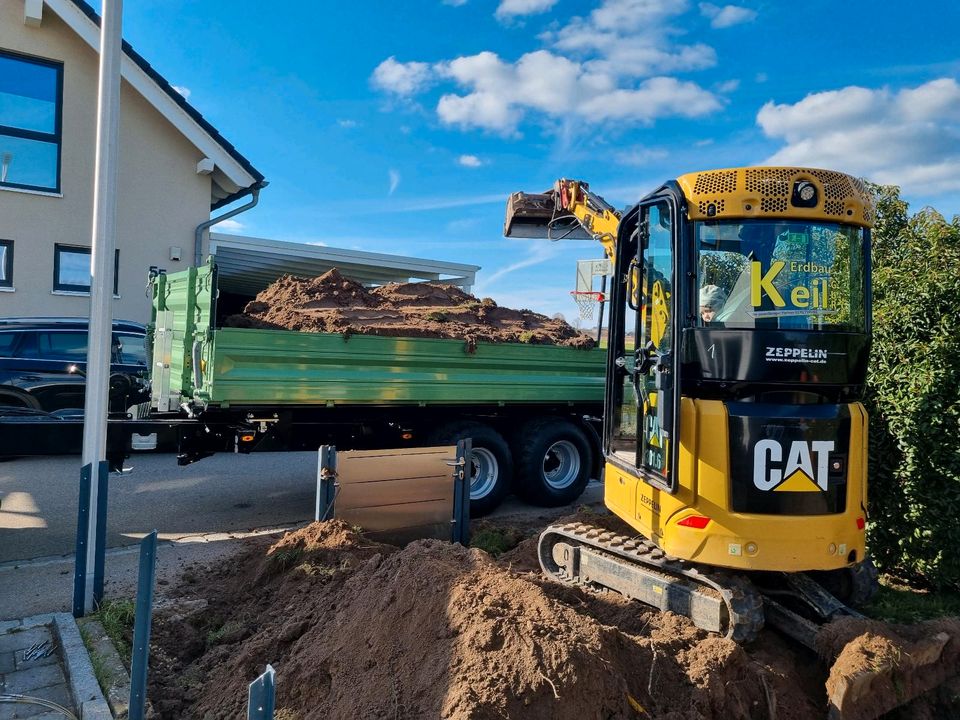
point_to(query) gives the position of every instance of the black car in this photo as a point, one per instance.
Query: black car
(43, 364)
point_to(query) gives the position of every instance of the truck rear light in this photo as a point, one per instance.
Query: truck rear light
(695, 521)
(248, 437)
(861, 523)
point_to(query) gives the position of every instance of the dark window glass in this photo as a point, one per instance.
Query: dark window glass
(8, 341)
(6, 263)
(71, 269)
(132, 350)
(67, 345)
(30, 130)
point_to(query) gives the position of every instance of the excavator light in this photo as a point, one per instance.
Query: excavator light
(861, 523)
(407, 435)
(698, 522)
(804, 194)
(247, 437)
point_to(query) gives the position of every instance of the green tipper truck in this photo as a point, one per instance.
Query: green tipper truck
(531, 410)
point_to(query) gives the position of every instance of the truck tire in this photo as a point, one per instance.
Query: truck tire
(492, 473)
(554, 462)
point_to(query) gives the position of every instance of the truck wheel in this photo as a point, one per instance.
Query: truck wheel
(554, 462)
(492, 463)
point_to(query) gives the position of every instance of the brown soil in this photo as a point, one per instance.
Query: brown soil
(356, 629)
(335, 304)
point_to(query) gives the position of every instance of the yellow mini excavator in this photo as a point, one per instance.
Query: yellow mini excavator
(734, 439)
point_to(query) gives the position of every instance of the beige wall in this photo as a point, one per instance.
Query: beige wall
(161, 198)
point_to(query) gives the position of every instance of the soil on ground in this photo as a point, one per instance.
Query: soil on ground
(358, 629)
(332, 303)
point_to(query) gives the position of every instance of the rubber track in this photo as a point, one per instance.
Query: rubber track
(744, 603)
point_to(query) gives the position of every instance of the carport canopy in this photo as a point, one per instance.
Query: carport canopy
(247, 265)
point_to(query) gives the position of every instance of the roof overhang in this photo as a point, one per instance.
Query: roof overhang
(247, 265)
(232, 174)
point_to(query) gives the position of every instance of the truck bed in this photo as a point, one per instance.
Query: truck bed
(271, 368)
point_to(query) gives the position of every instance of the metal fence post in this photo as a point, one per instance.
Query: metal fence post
(461, 493)
(261, 696)
(140, 652)
(326, 482)
(100, 547)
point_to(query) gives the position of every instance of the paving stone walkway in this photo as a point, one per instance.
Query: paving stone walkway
(31, 664)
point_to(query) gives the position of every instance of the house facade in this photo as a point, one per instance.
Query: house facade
(175, 169)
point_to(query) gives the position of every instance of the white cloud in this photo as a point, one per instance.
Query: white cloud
(538, 254)
(185, 91)
(455, 3)
(639, 156)
(470, 161)
(728, 15)
(394, 181)
(909, 137)
(402, 79)
(347, 123)
(614, 63)
(499, 94)
(508, 9)
(230, 226)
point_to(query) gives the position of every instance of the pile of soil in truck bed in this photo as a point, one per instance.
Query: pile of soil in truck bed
(356, 629)
(335, 304)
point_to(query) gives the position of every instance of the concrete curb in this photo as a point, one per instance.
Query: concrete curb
(76, 662)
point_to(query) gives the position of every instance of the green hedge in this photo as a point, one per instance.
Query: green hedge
(912, 394)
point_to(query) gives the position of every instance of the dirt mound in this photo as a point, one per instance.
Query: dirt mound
(357, 629)
(361, 630)
(333, 303)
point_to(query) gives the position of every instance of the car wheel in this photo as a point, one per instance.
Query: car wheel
(554, 462)
(492, 463)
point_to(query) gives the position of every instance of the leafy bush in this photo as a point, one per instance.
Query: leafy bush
(912, 394)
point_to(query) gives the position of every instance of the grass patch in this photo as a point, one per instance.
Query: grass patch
(117, 617)
(900, 603)
(495, 540)
(284, 559)
(226, 631)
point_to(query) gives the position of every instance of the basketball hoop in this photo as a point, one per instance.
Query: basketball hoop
(585, 301)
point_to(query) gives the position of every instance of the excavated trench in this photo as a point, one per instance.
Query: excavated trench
(357, 629)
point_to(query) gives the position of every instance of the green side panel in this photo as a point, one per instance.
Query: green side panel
(190, 297)
(271, 367)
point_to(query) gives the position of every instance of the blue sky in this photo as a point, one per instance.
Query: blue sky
(401, 127)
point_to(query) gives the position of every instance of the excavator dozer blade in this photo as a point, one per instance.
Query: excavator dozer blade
(878, 667)
(875, 667)
(535, 215)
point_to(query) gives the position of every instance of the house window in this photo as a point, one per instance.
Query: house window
(6, 263)
(71, 269)
(31, 95)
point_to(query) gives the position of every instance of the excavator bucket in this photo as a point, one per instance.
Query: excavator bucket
(536, 215)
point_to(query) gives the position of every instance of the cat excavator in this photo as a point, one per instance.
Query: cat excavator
(735, 441)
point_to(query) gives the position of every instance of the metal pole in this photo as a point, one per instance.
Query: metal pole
(140, 652)
(103, 243)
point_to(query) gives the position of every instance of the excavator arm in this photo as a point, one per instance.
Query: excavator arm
(568, 210)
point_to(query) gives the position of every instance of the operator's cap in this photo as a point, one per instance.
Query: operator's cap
(712, 296)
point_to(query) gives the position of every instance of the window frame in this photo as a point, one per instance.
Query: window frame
(59, 287)
(6, 278)
(55, 138)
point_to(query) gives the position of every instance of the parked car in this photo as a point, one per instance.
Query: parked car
(43, 363)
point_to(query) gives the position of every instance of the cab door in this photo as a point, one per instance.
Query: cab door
(641, 407)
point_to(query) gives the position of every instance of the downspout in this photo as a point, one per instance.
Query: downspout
(254, 191)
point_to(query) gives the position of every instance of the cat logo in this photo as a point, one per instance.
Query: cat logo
(798, 473)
